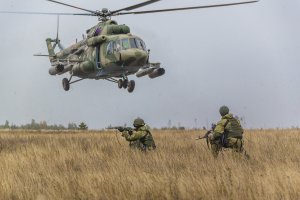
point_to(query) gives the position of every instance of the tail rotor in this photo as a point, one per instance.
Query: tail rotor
(57, 40)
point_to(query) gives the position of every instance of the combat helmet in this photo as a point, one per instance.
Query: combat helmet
(138, 122)
(224, 110)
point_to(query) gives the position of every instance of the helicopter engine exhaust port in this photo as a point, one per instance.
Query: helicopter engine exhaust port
(157, 72)
(144, 72)
(56, 69)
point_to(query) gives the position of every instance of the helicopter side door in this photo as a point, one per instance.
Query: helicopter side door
(98, 56)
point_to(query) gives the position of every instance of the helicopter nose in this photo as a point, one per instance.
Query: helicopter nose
(134, 57)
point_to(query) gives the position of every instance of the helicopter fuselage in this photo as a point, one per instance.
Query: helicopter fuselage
(110, 51)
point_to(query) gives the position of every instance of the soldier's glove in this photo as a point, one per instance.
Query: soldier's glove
(121, 129)
(129, 129)
(211, 136)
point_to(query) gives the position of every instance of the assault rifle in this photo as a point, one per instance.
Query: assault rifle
(121, 128)
(213, 126)
(205, 136)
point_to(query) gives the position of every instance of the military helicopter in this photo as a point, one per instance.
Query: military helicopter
(110, 51)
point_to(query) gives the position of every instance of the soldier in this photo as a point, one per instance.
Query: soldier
(140, 136)
(227, 134)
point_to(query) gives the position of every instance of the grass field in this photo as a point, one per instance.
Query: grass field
(99, 165)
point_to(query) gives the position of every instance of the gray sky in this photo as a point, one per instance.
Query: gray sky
(246, 57)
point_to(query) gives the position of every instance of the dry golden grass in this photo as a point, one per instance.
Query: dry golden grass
(99, 165)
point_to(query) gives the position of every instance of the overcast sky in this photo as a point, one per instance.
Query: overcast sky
(246, 57)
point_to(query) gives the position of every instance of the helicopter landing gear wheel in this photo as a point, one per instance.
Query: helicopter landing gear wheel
(66, 84)
(125, 83)
(131, 86)
(120, 83)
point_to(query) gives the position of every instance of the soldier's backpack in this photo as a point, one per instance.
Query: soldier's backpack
(233, 129)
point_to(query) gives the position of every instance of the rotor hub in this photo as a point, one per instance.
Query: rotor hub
(103, 15)
(104, 10)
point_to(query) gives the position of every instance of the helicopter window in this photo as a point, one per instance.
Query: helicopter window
(113, 44)
(133, 43)
(125, 44)
(117, 46)
(140, 44)
(109, 49)
(143, 45)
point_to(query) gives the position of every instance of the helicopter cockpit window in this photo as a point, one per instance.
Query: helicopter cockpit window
(117, 46)
(133, 43)
(109, 49)
(125, 44)
(140, 44)
(143, 45)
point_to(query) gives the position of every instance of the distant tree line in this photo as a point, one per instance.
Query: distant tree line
(43, 125)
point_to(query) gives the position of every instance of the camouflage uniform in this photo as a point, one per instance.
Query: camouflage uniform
(135, 144)
(227, 134)
(140, 138)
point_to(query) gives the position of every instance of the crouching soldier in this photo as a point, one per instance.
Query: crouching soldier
(140, 136)
(228, 133)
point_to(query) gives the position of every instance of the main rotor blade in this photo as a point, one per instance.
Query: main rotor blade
(43, 13)
(90, 11)
(136, 6)
(41, 55)
(186, 8)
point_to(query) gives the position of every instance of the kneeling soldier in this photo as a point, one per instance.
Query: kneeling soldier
(228, 133)
(141, 135)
